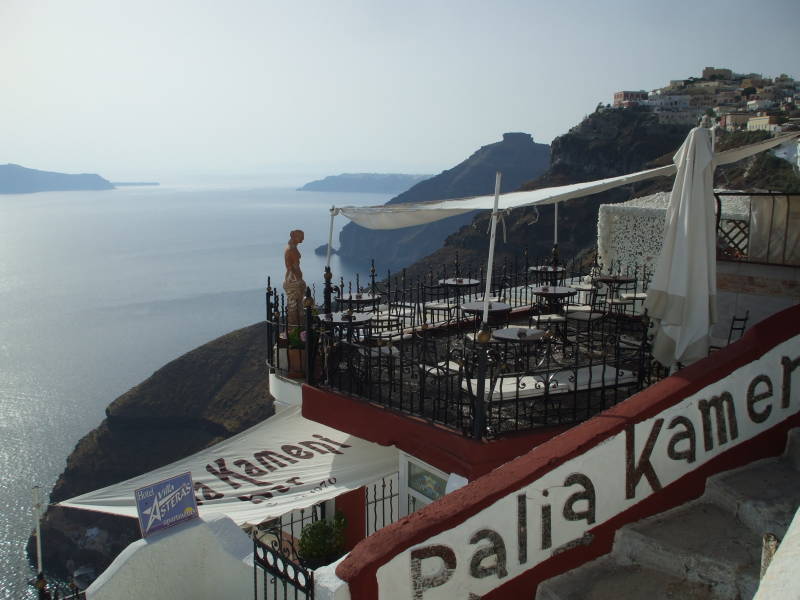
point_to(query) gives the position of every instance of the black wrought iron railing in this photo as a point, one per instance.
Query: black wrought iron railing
(278, 569)
(758, 228)
(412, 347)
(382, 503)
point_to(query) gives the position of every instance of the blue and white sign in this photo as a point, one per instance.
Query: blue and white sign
(166, 504)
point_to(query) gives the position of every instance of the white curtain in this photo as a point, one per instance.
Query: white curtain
(774, 229)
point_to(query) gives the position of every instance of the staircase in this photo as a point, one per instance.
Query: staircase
(709, 548)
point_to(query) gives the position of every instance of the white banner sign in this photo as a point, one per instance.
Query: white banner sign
(285, 463)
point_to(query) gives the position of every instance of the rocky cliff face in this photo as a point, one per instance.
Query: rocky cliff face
(517, 156)
(604, 144)
(209, 394)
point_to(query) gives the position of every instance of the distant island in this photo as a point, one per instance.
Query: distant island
(15, 179)
(372, 183)
(133, 183)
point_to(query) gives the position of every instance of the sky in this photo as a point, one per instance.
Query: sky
(182, 89)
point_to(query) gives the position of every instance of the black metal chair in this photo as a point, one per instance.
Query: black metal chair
(737, 328)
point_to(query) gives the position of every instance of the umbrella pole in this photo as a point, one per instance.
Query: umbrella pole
(497, 178)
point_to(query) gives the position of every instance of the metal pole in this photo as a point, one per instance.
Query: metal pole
(479, 417)
(37, 513)
(271, 325)
(498, 176)
(555, 225)
(330, 238)
(308, 367)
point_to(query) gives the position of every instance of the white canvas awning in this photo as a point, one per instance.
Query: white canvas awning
(396, 216)
(285, 463)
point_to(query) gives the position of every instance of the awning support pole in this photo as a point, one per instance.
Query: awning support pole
(497, 178)
(330, 239)
(328, 275)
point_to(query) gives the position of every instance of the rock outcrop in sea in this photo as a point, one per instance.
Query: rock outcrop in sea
(195, 401)
(373, 183)
(517, 156)
(15, 179)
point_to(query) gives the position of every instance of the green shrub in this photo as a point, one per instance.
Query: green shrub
(322, 542)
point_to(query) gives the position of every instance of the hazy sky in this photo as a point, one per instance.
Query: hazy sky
(142, 89)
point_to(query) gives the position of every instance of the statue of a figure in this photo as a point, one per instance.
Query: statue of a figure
(293, 284)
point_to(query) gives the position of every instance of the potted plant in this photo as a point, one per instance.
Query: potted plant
(322, 542)
(296, 351)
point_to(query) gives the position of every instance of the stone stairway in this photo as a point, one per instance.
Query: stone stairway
(709, 548)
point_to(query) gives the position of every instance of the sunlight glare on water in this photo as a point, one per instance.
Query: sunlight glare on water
(100, 289)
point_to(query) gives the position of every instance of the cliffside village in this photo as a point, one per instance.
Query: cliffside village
(738, 102)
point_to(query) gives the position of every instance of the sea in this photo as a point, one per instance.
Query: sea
(99, 289)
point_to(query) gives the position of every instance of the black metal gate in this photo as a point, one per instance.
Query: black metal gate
(278, 573)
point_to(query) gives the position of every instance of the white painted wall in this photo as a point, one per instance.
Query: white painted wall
(327, 585)
(286, 392)
(206, 559)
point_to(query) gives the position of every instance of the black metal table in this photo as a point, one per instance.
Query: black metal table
(348, 320)
(613, 282)
(547, 274)
(476, 307)
(359, 300)
(521, 335)
(497, 311)
(554, 295)
(459, 284)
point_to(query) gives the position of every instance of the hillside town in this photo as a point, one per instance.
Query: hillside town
(738, 102)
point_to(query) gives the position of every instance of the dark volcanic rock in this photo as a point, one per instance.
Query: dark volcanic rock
(517, 157)
(15, 179)
(197, 400)
(374, 183)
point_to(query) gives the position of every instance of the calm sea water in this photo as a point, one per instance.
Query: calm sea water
(100, 289)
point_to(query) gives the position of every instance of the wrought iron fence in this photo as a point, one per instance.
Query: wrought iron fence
(418, 352)
(382, 503)
(766, 230)
(278, 569)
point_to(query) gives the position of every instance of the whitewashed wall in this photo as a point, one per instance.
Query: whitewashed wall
(630, 235)
(204, 560)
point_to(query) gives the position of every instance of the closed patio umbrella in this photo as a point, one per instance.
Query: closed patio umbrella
(682, 296)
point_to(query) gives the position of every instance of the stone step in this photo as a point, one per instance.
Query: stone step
(793, 448)
(701, 542)
(763, 495)
(605, 579)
